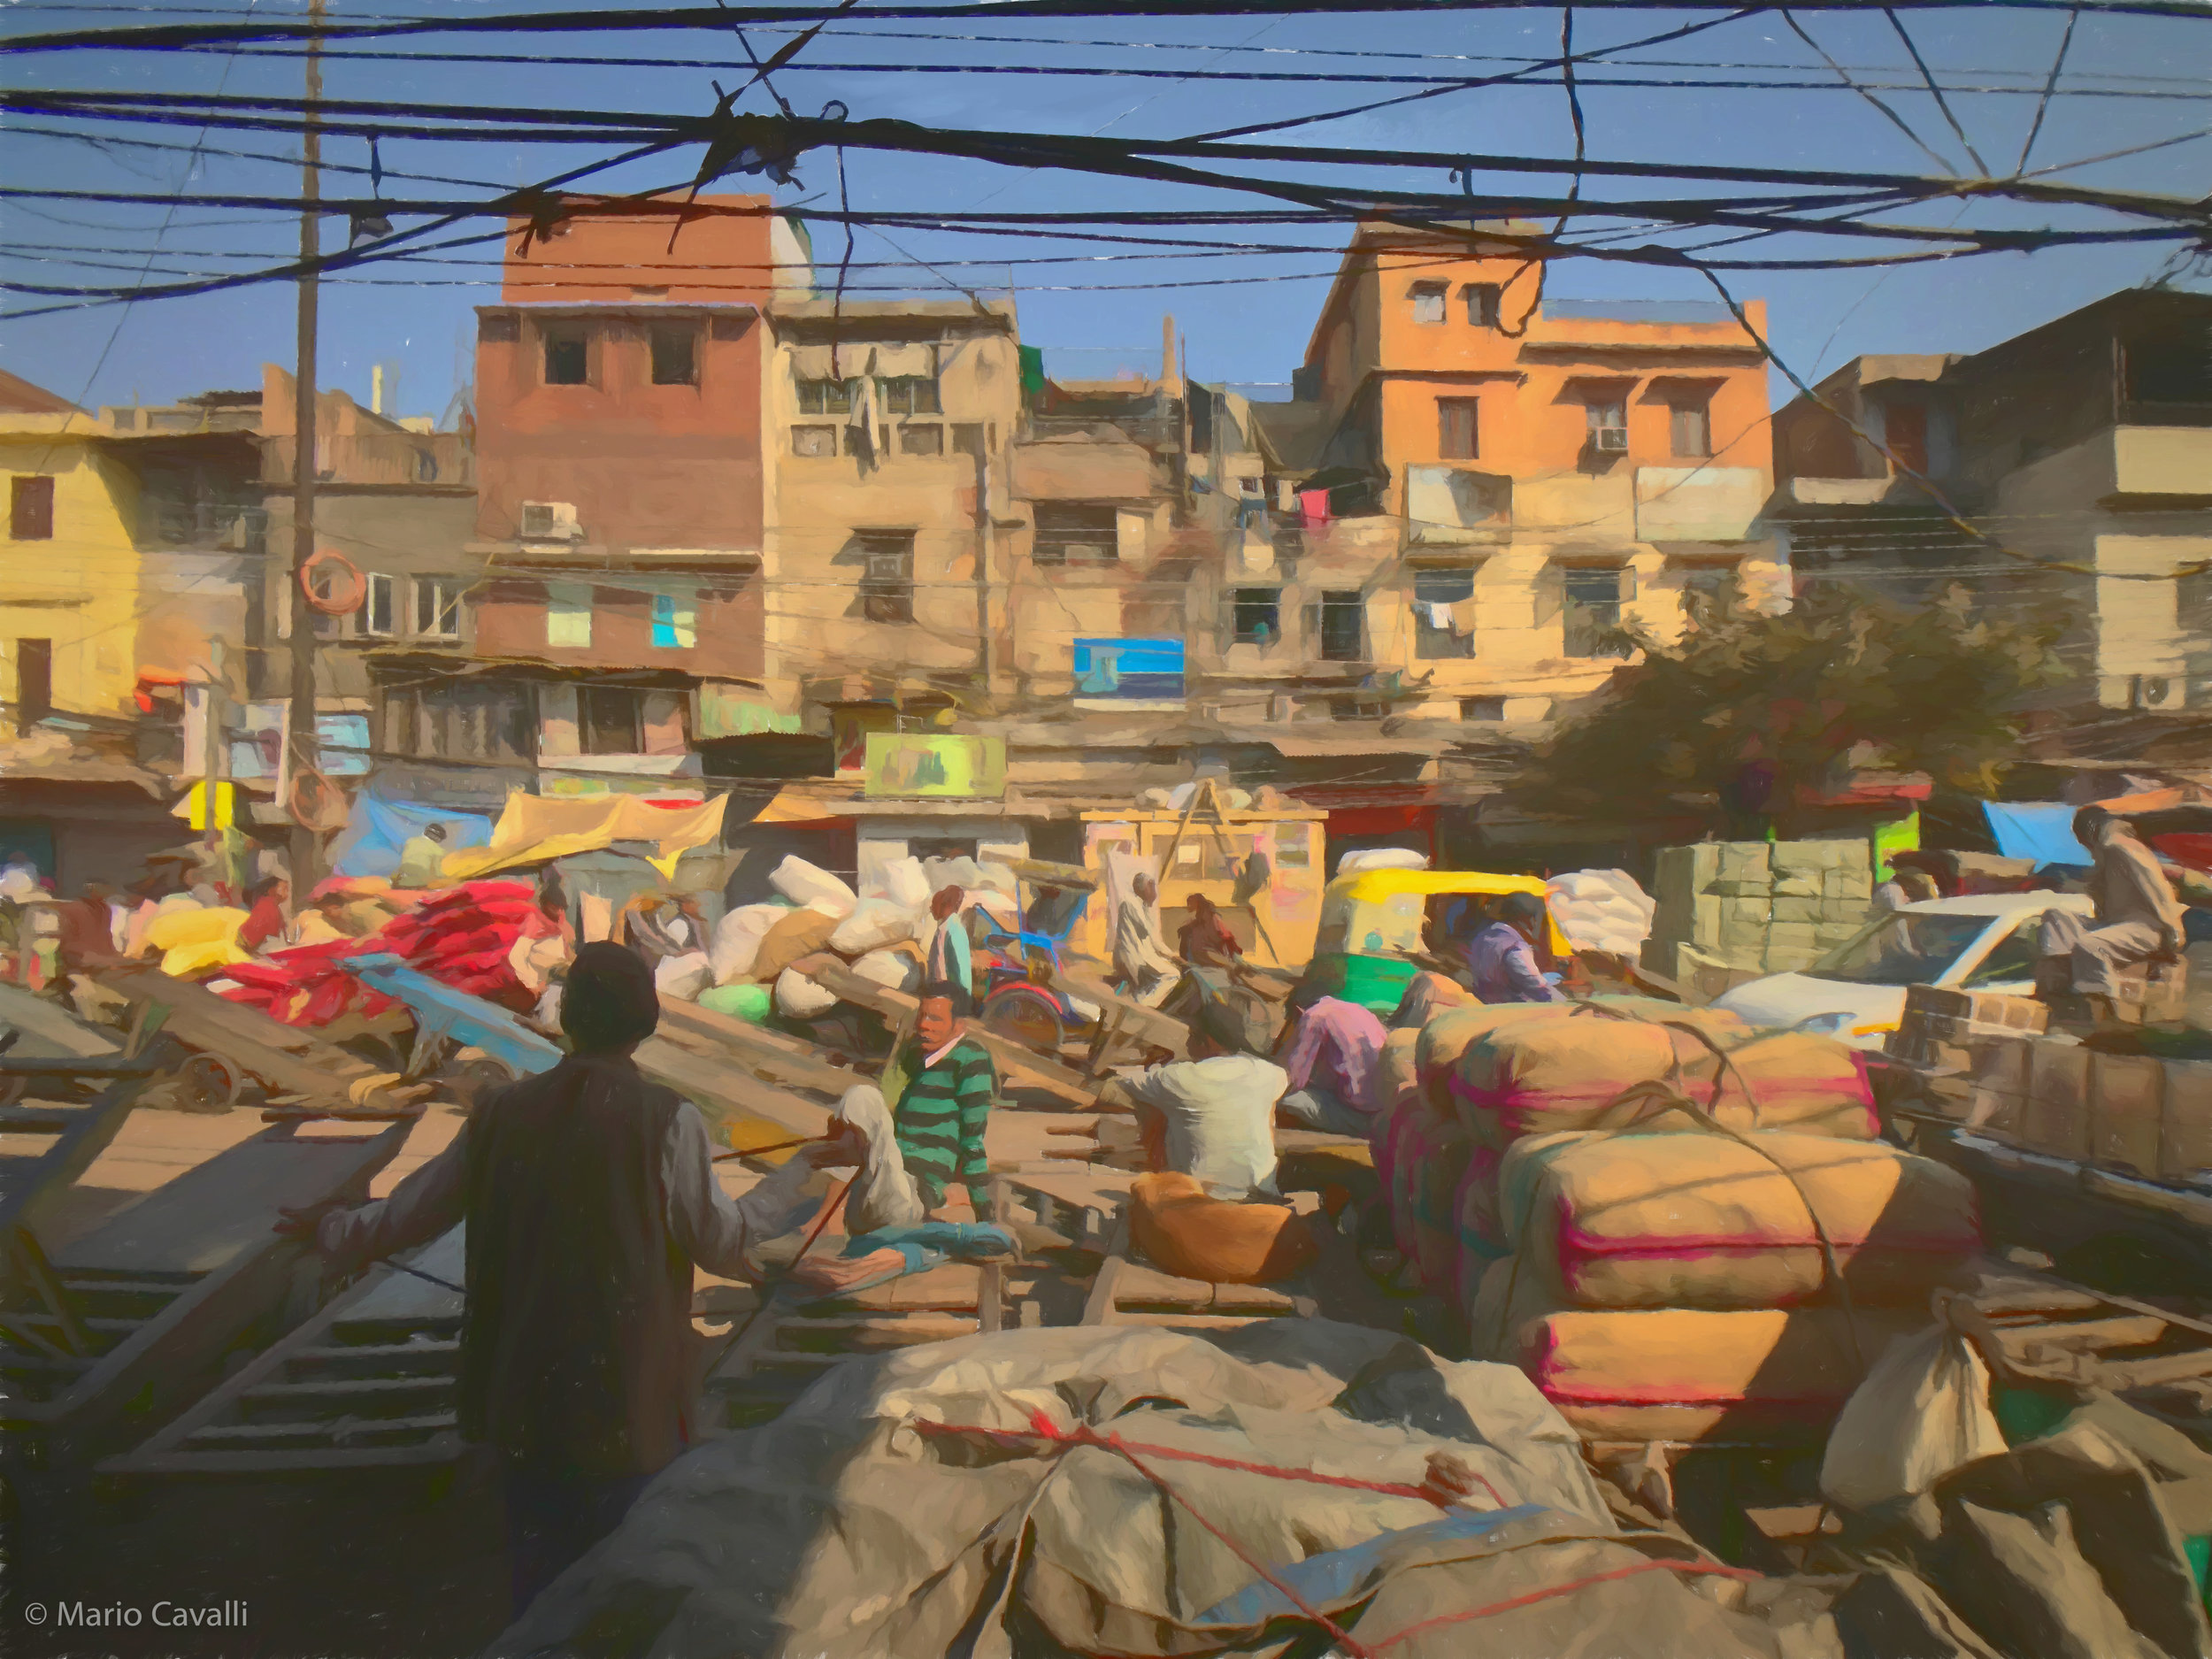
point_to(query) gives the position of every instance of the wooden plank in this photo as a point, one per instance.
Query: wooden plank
(47, 1028)
(2036, 1342)
(749, 1110)
(1098, 1307)
(444, 1450)
(26, 1197)
(328, 1429)
(1014, 1061)
(105, 1066)
(284, 1057)
(784, 1060)
(1162, 1031)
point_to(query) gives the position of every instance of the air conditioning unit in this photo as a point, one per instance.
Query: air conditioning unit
(2159, 691)
(1610, 440)
(549, 521)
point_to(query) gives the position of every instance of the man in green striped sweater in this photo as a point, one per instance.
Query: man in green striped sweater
(941, 1087)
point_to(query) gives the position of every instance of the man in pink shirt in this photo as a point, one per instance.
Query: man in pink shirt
(1329, 1049)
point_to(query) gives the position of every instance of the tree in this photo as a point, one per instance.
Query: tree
(1751, 708)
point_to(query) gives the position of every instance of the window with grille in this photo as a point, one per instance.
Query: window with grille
(826, 398)
(1076, 533)
(1458, 436)
(1257, 615)
(31, 509)
(568, 615)
(1428, 301)
(1608, 419)
(1484, 300)
(380, 606)
(814, 442)
(1486, 710)
(675, 354)
(1441, 629)
(1591, 613)
(675, 622)
(470, 720)
(1342, 625)
(437, 608)
(1690, 426)
(908, 395)
(887, 583)
(610, 721)
(925, 438)
(567, 356)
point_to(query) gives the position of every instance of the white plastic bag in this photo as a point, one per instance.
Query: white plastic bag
(1382, 858)
(1922, 1412)
(905, 884)
(684, 977)
(875, 925)
(798, 997)
(737, 938)
(812, 886)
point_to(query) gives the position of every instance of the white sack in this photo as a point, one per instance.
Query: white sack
(1922, 1411)
(807, 884)
(737, 938)
(684, 977)
(893, 969)
(906, 883)
(875, 925)
(798, 997)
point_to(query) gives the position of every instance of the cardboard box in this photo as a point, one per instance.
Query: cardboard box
(1999, 1100)
(2185, 1124)
(2056, 1120)
(2126, 1094)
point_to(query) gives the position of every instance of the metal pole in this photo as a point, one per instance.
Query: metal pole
(983, 563)
(299, 725)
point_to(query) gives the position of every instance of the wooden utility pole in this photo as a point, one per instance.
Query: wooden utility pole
(299, 723)
(983, 563)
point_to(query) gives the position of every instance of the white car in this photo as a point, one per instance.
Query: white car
(1857, 991)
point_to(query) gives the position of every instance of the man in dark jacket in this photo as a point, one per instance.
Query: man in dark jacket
(589, 1194)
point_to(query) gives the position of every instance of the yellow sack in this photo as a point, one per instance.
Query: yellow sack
(1185, 1230)
(1765, 1376)
(1700, 1220)
(192, 942)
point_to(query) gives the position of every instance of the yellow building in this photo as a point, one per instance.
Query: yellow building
(128, 533)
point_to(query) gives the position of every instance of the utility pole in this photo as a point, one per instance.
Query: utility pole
(215, 767)
(299, 723)
(983, 561)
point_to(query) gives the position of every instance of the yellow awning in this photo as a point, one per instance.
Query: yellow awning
(536, 828)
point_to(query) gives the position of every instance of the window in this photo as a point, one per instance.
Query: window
(826, 398)
(909, 394)
(31, 509)
(1257, 615)
(437, 608)
(34, 680)
(1076, 533)
(1428, 301)
(567, 360)
(1484, 710)
(887, 583)
(568, 615)
(675, 354)
(1457, 436)
(473, 719)
(2173, 366)
(675, 622)
(1905, 434)
(1483, 300)
(1343, 625)
(1608, 420)
(1593, 595)
(925, 438)
(814, 442)
(610, 721)
(426, 466)
(1443, 625)
(380, 606)
(1709, 590)
(968, 439)
(1690, 426)
(2011, 961)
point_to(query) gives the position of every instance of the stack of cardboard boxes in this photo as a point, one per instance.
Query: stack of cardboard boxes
(1755, 907)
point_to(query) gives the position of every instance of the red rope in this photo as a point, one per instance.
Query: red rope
(1696, 1569)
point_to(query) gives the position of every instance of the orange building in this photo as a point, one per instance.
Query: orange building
(1508, 479)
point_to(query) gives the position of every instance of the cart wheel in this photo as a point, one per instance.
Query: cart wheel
(1025, 1016)
(475, 1077)
(209, 1083)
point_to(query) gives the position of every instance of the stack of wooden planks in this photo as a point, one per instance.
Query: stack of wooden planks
(368, 1382)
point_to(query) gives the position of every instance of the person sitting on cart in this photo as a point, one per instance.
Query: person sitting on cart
(2137, 918)
(1501, 958)
(1205, 941)
(940, 1086)
(1140, 954)
(1212, 1117)
(1329, 1049)
(951, 962)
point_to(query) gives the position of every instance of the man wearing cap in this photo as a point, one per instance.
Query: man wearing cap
(1212, 1117)
(2137, 918)
(1501, 958)
(1140, 955)
(590, 1197)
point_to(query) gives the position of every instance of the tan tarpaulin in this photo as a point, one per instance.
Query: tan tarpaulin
(534, 828)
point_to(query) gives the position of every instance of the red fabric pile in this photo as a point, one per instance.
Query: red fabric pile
(460, 936)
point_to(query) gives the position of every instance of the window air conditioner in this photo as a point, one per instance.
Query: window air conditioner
(2157, 691)
(549, 521)
(1611, 439)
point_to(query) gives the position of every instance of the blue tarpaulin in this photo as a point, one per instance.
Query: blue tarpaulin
(370, 844)
(2041, 832)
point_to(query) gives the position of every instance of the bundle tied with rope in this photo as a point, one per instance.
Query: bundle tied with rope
(1683, 1271)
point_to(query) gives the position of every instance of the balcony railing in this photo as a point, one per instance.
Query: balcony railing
(232, 526)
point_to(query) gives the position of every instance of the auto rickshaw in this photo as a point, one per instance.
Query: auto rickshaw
(1377, 925)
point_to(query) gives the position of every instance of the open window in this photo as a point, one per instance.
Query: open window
(1428, 301)
(1592, 596)
(887, 583)
(1257, 615)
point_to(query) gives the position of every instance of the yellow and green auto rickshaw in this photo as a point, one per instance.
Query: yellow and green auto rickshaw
(1375, 922)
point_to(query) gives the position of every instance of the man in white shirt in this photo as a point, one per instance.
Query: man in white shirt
(1140, 954)
(1212, 1117)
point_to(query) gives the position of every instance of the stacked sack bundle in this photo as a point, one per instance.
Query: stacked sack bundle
(1603, 910)
(1661, 1279)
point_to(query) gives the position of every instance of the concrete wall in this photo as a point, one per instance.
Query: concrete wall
(511, 621)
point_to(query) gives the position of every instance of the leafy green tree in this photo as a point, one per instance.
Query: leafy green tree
(1749, 707)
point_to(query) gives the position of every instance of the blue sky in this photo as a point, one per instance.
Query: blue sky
(417, 319)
